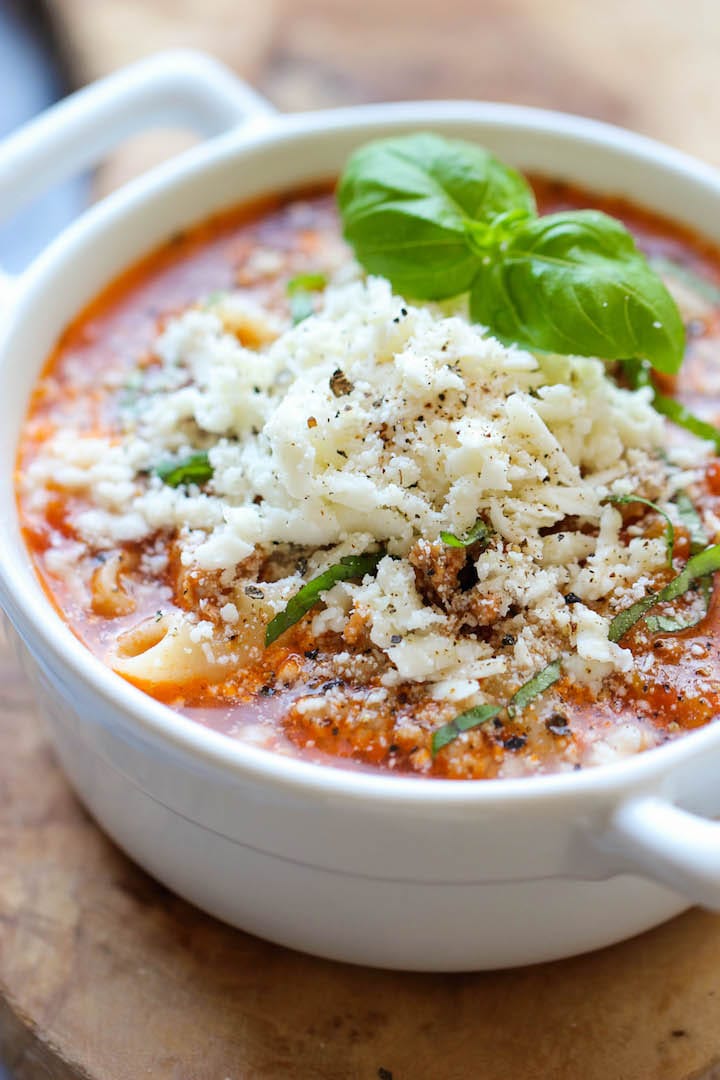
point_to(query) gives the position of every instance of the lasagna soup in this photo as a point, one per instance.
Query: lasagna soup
(336, 522)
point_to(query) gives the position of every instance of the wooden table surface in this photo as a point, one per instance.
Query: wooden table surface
(104, 975)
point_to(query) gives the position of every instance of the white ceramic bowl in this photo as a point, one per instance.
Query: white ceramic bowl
(376, 869)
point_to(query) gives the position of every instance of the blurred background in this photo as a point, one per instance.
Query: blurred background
(650, 65)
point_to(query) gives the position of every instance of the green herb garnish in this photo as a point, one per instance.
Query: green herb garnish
(439, 217)
(699, 566)
(668, 624)
(699, 540)
(466, 721)
(538, 684)
(193, 469)
(312, 282)
(669, 527)
(665, 624)
(350, 566)
(692, 521)
(480, 531)
(300, 289)
(682, 416)
(480, 714)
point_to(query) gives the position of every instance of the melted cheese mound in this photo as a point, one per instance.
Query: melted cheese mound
(377, 424)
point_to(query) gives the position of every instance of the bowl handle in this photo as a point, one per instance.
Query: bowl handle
(673, 846)
(179, 89)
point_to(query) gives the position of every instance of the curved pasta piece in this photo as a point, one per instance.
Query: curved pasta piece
(166, 652)
(108, 595)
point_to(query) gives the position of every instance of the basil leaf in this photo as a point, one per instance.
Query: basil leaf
(670, 625)
(699, 566)
(299, 289)
(669, 527)
(627, 618)
(706, 290)
(538, 684)
(473, 718)
(193, 469)
(311, 282)
(637, 372)
(480, 531)
(350, 566)
(574, 282)
(406, 203)
(692, 521)
(664, 623)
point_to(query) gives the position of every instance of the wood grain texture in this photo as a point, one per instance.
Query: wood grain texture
(104, 975)
(649, 64)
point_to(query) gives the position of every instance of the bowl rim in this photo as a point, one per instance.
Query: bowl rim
(42, 626)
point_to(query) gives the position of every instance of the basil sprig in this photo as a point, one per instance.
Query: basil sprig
(193, 469)
(350, 566)
(439, 217)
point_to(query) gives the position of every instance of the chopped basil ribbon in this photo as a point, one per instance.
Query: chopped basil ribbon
(472, 718)
(480, 531)
(638, 373)
(692, 521)
(669, 527)
(350, 566)
(699, 566)
(668, 624)
(480, 714)
(699, 540)
(539, 683)
(193, 469)
(439, 217)
(299, 289)
(682, 416)
(312, 282)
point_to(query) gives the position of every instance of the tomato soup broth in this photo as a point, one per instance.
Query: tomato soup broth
(290, 696)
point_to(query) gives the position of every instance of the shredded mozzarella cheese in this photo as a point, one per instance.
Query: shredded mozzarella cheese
(373, 424)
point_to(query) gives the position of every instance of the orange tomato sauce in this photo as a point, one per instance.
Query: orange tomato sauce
(116, 332)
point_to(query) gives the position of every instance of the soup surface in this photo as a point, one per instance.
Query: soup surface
(331, 687)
